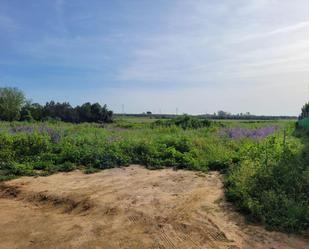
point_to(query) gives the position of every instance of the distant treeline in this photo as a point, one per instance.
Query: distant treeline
(65, 112)
(246, 117)
(14, 107)
(212, 116)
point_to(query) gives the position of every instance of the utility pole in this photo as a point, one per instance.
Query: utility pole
(122, 107)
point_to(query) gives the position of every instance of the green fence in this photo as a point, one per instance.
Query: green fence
(304, 123)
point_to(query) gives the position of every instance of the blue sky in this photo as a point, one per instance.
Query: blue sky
(195, 55)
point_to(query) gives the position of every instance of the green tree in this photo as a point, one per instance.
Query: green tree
(31, 111)
(11, 102)
(305, 111)
(25, 115)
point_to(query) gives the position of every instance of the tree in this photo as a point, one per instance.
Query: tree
(84, 112)
(11, 102)
(62, 111)
(14, 107)
(96, 113)
(93, 113)
(304, 111)
(25, 115)
(31, 111)
(223, 114)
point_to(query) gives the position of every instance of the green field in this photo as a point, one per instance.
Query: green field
(265, 163)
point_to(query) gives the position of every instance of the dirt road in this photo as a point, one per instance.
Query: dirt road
(127, 208)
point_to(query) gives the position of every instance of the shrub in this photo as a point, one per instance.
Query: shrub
(185, 122)
(275, 192)
(66, 167)
(7, 154)
(27, 145)
(19, 169)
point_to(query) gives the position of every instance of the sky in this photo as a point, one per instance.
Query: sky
(198, 56)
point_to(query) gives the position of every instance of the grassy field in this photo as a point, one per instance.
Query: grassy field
(264, 162)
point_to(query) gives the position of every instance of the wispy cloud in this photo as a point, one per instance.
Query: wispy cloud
(214, 48)
(7, 24)
(212, 54)
(279, 31)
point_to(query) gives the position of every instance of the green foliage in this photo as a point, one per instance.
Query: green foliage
(14, 107)
(303, 125)
(11, 101)
(65, 167)
(271, 184)
(29, 146)
(48, 147)
(18, 169)
(85, 113)
(267, 178)
(304, 111)
(185, 122)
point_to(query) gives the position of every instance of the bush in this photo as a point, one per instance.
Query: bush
(218, 165)
(19, 169)
(185, 122)
(65, 167)
(7, 154)
(274, 192)
(29, 145)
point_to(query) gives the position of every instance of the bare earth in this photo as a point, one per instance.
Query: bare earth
(127, 208)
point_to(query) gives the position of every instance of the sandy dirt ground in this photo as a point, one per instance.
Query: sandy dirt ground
(128, 208)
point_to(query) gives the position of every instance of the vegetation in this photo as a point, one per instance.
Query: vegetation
(185, 122)
(303, 119)
(304, 111)
(266, 170)
(13, 107)
(44, 145)
(11, 101)
(265, 162)
(271, 184)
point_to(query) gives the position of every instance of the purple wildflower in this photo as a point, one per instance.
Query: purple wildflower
(238, 132)
(22, 128)
(53, 134)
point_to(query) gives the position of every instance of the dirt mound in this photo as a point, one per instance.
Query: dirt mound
(127, 208)
(66, 203)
